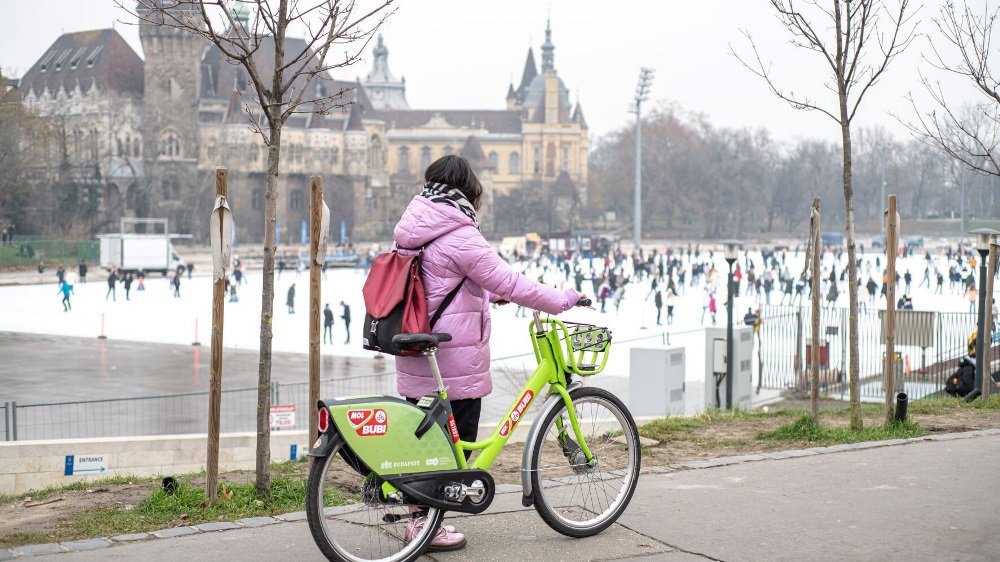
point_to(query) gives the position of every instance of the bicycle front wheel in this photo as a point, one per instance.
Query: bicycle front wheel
(351, 520)
(573, 496)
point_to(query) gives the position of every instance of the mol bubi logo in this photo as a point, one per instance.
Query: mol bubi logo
(357, 418)
(376, 424)
(522, 404)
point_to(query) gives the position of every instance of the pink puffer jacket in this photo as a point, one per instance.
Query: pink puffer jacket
(457, 249)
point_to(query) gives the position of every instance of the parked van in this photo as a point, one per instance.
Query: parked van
(831, 239)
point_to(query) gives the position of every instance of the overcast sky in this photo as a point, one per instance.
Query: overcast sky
(458, 54)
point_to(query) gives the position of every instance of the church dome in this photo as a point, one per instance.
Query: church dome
(535, 92)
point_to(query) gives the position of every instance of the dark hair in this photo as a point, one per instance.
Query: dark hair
(455, 171)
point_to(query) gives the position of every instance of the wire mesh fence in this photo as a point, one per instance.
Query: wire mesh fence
(187, 413)
(928, 346)
(30, 251)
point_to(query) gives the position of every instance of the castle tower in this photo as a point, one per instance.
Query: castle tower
(384, 91)
(172, 73)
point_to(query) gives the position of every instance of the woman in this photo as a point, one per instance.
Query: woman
(443, 221)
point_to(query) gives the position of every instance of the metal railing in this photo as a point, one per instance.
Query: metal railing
(928, 346)
(187, 413)
(30, 251)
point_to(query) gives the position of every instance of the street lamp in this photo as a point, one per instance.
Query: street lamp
(983, 247)
(641, 95)
(731, 253)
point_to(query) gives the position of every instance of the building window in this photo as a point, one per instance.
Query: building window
(212, 150)
(254, 152)
(404, 160)
(425, 157)
(170, 145)
(166, 189)
(95, 145)
(494, 161)
(295, 200)
(538, 160)
(256, 199)
(565, 158)
(334, 155)
(448, 150)
(376, 153)
(515, 163)
(137, 148)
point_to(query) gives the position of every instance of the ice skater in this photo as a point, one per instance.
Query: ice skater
(327, 324)
(65, 288)
(112, 279)
(290, 299)
(346, 317)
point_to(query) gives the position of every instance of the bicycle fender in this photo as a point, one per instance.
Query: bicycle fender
(552, 402)
(324, 444)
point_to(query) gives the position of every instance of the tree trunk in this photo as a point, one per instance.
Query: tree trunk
(852, 286)
(813, 265)
(263, 484)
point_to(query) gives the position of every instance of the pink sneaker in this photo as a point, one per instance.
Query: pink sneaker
(446, 539)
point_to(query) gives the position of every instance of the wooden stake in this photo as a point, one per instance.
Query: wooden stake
(891, 246)
(315, 306)
(215, 384)
(814, 371)
(990, 273)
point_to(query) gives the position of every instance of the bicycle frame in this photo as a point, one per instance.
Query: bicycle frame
(548, 373)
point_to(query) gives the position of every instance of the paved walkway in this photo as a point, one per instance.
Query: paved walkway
(868, 501)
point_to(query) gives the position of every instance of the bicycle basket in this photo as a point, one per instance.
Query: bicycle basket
(588, 349)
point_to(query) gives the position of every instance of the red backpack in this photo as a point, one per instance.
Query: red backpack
(396, 303)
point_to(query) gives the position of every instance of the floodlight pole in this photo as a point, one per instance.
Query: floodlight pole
(641, 95)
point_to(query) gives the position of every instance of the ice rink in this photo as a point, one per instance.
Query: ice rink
(155, 315)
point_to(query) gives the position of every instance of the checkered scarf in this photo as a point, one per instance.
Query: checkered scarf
(450, 195)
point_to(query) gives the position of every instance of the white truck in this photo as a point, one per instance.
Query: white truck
(142, 244)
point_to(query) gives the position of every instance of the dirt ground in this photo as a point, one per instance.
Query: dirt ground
(33, 515)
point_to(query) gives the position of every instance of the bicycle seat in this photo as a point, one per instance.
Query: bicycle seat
(419, 342)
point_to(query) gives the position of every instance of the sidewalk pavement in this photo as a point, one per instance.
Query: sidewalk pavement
(930, 500)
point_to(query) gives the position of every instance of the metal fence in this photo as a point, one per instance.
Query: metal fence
(30, 251)
(928, 346)
(186, 413)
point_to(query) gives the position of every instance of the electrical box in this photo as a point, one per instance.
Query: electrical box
(715, 367)
(656, 381)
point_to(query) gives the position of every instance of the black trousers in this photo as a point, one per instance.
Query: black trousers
(467, 413)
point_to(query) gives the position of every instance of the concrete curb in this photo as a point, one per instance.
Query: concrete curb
(91, 544)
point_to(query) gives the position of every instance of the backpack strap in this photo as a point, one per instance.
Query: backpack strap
(449, 297)
(447, 300)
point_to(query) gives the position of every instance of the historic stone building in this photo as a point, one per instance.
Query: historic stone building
(538, 142)
(88, 86)
(158, 128)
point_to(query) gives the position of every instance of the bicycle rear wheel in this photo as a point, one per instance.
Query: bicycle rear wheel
(573, 497)
(352, 521)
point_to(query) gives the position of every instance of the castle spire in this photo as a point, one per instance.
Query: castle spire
(548, 49)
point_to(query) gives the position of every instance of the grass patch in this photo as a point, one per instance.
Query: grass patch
(184, 507)
(81, 485)
(866, 410)
(677, 428)
(945, 404)
(806, 430)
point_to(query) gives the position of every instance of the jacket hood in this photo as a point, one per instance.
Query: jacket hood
(424, 221)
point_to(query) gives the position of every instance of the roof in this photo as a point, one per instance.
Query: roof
(473, 152)
(529, 74)
(221, 79)
(578, 115)
(494, 121)
(87, 58)
(535, 99)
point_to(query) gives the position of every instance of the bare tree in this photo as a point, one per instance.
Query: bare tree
(336, 32)
(968, 133)
(841, 34)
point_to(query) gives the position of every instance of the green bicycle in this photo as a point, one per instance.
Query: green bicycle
(379, 459)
